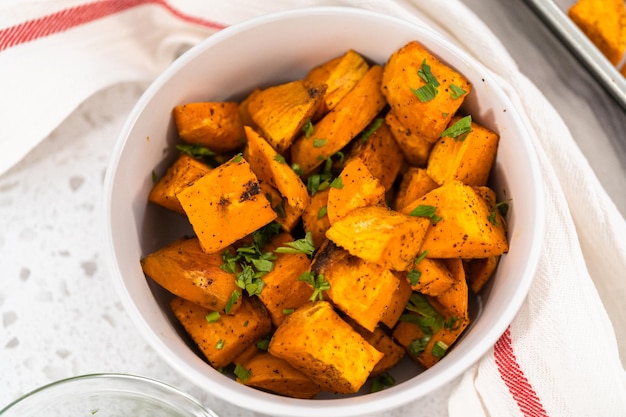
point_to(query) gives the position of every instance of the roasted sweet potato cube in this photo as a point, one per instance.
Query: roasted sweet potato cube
(381, 236)
(362, 290)
(434, 277)
(340, 74)
(317, 342)
(454, 301)
(271, 167)
(380, 152)
(185, 270)
(480, 271)
(415, 184)
(216, 125)
(225, 205)
(276, 375)
(282, 110)
(383, 343)
(359, 188)
(223, 339)
(315, 217)
(398, 301)
(422, 91)
(467, 159)
(244, 112)
(283, 291)
(465, 229)
(604, 23)
(415, 146)
(287, 216)
(338, 127)
(180, 175)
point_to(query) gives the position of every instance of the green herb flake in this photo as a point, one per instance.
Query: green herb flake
(372, 128)
(322, 212)
(428, 91)
(288, 311)
(318, 143)
(195, 151)
(423, 314)
(456, 91)
(212, 317)
(237, 158)
(424, 210)
(459, 130)
(439, 349)
(155, 177)
(242, 373)
(231, 301)
(418, 346)
(503, 208)
(414, 276)
(220, 344)
(426, 75)
(383, 381)
(263, 344)
(304, 245)
(297, 169)
(279, 158)
(337, 183)
(308, 129)
(318, 283)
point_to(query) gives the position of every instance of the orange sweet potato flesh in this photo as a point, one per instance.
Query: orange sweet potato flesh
(180, 175)
(339, 126)
(225, 205)
(281, 111)
(216, 125)
(359, 188)
(415, 146)
(362, 290)
(273, 374)
(222, 340)
(435, 277)
(185, 270)
(402, 76)
(315, 217)
(468, 160)
(381, 236)
(317, 342)
(415, 184)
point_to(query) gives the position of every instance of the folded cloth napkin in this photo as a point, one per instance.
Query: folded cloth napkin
(561, 354)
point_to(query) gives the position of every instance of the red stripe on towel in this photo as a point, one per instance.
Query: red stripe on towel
(75, 16)
(514, 378)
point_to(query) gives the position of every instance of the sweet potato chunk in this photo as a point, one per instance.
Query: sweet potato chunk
(468, 159)
(269, 166)
(316, 341)
(180, 175)
(223, 339)
(185, 270)
(434, 277)
(358, 188)
(225, 205)
(362, 290)
(423, 92)
(415, 184)
(315, 217)
(337, 128)
(383, 343)
(379, 152)
(465, 229)
(479, 271)
(282, 290)
(273, 374)
(287, 216)
(415, 146)
(340, 75)
(381, 236)
(216, 125)
(281, 111)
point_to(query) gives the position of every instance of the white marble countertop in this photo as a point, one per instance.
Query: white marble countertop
(60, 315)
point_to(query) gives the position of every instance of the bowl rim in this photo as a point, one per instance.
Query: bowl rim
(394, 397)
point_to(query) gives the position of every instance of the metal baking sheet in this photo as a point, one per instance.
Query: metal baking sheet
(554, 13)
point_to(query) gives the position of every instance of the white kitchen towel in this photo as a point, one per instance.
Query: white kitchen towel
(559, 357)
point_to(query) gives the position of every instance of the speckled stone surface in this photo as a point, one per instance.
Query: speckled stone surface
(60, 315)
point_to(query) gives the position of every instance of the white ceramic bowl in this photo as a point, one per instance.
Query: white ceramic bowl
(278, 48)
(106, 395)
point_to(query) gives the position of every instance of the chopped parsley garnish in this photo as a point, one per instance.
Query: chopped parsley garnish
(424, 210)
(280, 158)
(428, 91)
(318, 143)
(456, 91)
(459, 130)
(304, 245)
(199, 152)
(418, 346)
(502, 207)
(373, 127)
(414, 275)
(322, 180)
(308, 129)
(155, 177)
(423, 314)
(220, 344)
(212, 317)
(318, 283)
(337, 183)
(288, 311)
(237, 158)
(383, 381)
(264, 343)
(231, 301)
(322, 212)
(242, 373)
(297, 169)
(439, 349)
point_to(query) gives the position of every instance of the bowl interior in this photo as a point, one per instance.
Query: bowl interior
(278, 48)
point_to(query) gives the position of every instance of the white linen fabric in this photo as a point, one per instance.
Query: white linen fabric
(560, 355)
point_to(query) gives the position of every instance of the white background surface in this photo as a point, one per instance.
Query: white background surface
(59, 312)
